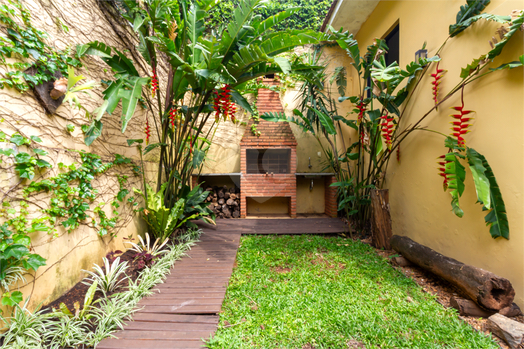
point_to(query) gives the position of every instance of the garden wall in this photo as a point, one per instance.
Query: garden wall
(420, 208)
(68, 253)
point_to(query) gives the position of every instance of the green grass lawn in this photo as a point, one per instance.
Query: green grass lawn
(329, 292)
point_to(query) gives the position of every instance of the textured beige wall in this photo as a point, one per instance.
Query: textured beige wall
(67, 254)
(420, 209)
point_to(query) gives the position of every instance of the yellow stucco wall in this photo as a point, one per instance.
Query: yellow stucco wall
(420, 209)
(68, 253)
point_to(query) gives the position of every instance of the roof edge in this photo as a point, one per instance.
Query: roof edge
(329, 14)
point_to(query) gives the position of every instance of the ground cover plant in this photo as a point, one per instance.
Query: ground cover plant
(330, 292)
(86, 325)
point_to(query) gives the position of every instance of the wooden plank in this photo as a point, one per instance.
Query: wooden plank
(169, 326)
(176, 318)
(173, 298)
(161, 335)
(161, 344)
(189, 308)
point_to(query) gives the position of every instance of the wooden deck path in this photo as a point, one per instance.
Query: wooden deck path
(185, 309)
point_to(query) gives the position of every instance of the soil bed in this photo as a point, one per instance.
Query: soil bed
(78, 292)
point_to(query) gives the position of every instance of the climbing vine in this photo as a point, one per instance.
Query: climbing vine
(24, 40)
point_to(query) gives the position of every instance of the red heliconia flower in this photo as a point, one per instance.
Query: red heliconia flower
(223, 105)
(436, 82)
(361, 106)
(461, 124)
(387, 129)
(154, 83)
(442, 170)
(148, 131)
(173, 116)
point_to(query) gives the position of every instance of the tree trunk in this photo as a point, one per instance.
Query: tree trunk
(381, 219)
(485, 288)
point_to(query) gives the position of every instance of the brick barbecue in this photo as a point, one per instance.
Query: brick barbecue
(268, 162)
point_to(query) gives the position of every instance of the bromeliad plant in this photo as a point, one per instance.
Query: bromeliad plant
(205, 70)
(109, 278)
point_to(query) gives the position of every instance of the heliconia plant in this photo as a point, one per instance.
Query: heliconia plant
(203, 70)
(384, 91)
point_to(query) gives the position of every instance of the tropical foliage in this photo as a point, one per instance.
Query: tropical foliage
(306, 14)
(383, 91)
(200, 64)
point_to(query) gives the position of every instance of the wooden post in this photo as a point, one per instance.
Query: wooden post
(381, 230)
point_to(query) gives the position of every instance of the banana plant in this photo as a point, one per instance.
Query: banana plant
(206, 70)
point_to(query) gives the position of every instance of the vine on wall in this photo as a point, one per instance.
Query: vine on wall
(45, 189)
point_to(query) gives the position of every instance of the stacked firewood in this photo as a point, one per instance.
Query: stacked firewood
(225, 201)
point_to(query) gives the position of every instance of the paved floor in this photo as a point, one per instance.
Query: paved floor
(185, 309)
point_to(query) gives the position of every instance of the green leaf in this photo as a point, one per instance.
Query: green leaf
(12, 299)
(19, 140)
(510, 65)
(16, 251)
(479, 177)
(36, 139)
(40, 152)
(241, 101)
(7, 152)
(94, 48)
(326, 122)
(198, 157)
(25, 171)
(456, 173)
(93, 132)
(496, 218)
(34, 262)
(42, 163)
(131, 99)
(65, 310)
(468, 15)
(70, 128)
(153, 146)
(22, 158)
(122, 194)
(133, 141)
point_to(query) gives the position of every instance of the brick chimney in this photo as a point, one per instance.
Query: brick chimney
(268, 162)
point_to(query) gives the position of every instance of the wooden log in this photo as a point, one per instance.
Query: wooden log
(236, 214)
(467, 307)
(381, 231)
(512, 310)
(214, 200)
(233, 196)
(227, 195)
(221, 193)
(401, 261)
(230, 202)
(221, 201)
(485, 288)
(512, 332)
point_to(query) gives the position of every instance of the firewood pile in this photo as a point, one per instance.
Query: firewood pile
(225, 201)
